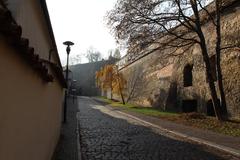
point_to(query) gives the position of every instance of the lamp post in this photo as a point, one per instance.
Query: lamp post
(68, 49)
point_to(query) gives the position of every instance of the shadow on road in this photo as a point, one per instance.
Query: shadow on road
(67, 145)
(108, 136)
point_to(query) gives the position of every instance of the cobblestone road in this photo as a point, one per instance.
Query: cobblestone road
(107, 135)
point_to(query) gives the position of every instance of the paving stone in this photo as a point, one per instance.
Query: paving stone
(107, 137)
(67, 147)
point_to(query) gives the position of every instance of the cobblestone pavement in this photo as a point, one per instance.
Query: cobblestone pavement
(107, 135)
(67, 145)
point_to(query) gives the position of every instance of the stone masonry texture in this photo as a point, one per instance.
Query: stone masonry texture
(162, 78)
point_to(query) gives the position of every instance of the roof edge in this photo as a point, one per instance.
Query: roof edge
(50, 29)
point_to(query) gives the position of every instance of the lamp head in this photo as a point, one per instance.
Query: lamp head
(68, 43)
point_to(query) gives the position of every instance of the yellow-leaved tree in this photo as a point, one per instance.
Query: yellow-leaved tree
(109, 78)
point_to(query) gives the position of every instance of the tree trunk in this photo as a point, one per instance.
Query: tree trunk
(123, 101)
(111, 89)
(203, 45)
(211, 84)
(120, 88)
(111, 96)
(132, 89)
(218, 60)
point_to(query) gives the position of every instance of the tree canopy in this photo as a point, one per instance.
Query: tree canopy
(75, 59)
(109, 78)
(141, 23)
(117, 54)
(93, 55)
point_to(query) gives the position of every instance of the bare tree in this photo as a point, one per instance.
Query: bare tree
(93, 55)
(135, 84)
(179, 24)
(76, 59)
(114, 53)
(117, 54)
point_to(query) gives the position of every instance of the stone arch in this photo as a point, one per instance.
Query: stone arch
(210, 109)
(189, 105)
(187, 75)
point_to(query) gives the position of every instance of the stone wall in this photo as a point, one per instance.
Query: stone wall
(162, 77)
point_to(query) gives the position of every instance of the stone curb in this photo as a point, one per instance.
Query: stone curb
(79, 150)
(229, 150)
(78, 143)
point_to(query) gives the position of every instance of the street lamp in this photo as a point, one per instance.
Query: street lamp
(68, 49)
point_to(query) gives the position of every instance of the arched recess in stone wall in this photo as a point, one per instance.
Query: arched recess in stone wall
(209, 107)
(187, 75)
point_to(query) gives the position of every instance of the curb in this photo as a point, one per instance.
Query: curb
(229, 150)
(78, 141)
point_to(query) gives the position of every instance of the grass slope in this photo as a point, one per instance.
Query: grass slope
(231, 128)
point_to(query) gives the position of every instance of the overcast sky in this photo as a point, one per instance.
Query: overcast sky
(82, 22)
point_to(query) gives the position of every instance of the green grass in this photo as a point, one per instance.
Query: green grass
(143, 110)
(152, 112)
(231, 128)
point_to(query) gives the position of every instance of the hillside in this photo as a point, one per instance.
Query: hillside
(85, 76)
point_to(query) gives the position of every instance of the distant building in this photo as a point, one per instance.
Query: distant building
(32, 83)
